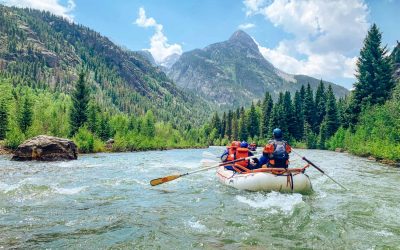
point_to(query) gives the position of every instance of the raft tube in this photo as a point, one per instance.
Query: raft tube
(295, 182)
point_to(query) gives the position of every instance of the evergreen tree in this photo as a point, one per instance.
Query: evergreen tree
(320, 99)
(223, 125)
(80, 100)
(149, 124)
(298, 116)
(92, 117)
(289, 116)
(25, 118)
(331, 119)
(216, 123)
(278, 117)
(253, 123)
(104, 128)
(3, 119)
(242, 125)
(374, 75)
(266, 110)
(235, 127)
(309, 107)
(228, 130)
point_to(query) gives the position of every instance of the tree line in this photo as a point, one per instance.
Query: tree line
(304, 117)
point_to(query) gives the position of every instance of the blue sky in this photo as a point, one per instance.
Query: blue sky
(317, 38)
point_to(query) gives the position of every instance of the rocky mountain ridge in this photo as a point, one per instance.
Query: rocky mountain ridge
(234, 73)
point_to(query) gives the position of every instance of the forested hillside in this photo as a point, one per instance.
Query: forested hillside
(40, 50)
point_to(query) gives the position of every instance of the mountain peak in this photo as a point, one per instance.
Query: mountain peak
(242, 37)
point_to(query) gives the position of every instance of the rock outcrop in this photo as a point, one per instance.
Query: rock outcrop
(46, 148)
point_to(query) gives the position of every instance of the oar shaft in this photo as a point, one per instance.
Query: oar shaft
(221, 164)
(319, 169)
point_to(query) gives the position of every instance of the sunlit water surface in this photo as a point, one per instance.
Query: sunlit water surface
(105, 201)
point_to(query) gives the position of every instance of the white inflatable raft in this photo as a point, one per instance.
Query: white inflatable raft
(296, 182)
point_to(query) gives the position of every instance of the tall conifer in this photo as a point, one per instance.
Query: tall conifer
(374, 75)
(80, 100)
(3, 119)
(253, 123)
(266, 110)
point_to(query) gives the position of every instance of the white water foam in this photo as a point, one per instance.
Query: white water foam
(384, 233)
(7, 188)
(69, 191)
(274, 202)
(196, 225)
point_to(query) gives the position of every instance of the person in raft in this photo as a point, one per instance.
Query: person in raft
(238, 150)
(253, 146)
(230, 153)
(276, 152)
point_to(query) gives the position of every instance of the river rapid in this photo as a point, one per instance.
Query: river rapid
(105, 201)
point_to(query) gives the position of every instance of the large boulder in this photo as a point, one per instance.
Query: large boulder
(46, 148)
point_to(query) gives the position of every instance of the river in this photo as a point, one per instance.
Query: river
(105, 201)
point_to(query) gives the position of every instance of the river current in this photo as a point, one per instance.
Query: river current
(104, 201)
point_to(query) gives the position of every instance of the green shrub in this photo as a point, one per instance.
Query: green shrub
(14, 137)
(87, 142)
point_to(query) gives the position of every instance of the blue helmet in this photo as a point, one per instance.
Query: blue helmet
(244, 144)
(277, 133)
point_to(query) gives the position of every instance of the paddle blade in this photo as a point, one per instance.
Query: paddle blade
(165, 179)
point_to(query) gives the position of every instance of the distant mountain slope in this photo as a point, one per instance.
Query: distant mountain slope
(395, 57)
(46, 51)
(234, 72)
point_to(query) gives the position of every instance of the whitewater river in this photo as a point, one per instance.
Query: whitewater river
(105, 201)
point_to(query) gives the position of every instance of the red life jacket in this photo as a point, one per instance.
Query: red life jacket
(242, 153)
(231, 153)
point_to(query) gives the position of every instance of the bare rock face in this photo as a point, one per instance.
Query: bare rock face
(46, 148)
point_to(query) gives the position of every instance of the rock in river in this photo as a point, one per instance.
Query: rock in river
(46, 148)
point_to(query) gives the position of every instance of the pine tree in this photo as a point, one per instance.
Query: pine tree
(242, 125)
(320, 99)
(266, 110)
(92, 117)
(3, 119)
(298, 116)
(104, 128)
(253, 123)
(228, 130)
(235, 127)
(80, 100)
(374, 75)
(216, 123)
(149, 124)
(331, 119)
(223, 125)
(278, 118)
(25, 118)
(309, 107)
(289, 115)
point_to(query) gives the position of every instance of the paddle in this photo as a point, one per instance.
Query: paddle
(319, 169)
(168, 178)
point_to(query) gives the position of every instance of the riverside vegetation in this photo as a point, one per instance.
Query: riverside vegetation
(120, 95)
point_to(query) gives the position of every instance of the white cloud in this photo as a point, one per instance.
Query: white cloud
(159, 46)
(245, 26)
(52, 6)
(327, 35)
